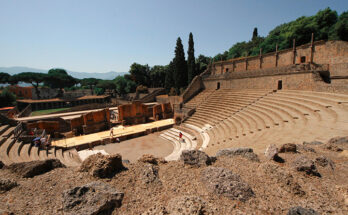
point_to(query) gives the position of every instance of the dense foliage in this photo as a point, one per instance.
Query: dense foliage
(7, 99)
(326, 25)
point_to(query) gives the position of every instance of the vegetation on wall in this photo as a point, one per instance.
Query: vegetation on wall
(326, 25)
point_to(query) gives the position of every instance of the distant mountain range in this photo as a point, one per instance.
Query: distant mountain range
(80, 75)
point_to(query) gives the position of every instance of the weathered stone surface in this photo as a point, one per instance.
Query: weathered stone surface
(195, 158)
(6, 185)
(244, 152)
(149, 174)
(337, 144)
(315, 143)
(188, 205)
(156, 209)
(271, 153)
(5, 212)
(304, 148)
(223, 182)
(302, 163)
(102, 166)
(1, 164)
(301, 211)
(324, 161)
(33, 168)
(93, 198)
(146, 158)
(282, 177)
(288, 147)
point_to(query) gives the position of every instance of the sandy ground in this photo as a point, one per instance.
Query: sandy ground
(133, 149)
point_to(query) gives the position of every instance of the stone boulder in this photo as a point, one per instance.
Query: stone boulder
(195, 158)
(304, 148)
(5, 212)
(304, 164)
(102, 166)
(93, 198)
(156, 209)
(223, 182)
(337, 144)
(271, 153)
(283, 177)
(324, 161)
(146, 158)
(33, 168)
(288, 147)
(301, 211)
(6, 185)
(314, 143)
(243, 152)
(1, 164)
(149, 174)
(187, 205)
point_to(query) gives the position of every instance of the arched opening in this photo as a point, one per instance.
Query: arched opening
(303, 59)
(218, 85)
(280, 84)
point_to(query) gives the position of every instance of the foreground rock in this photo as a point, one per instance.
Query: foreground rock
(1, 164)
(6, 185)
(146, 158)
(33, 168)
(195, 158)
(324, 162)
(301, 211)
(187, 205)
(282, 177)
(93, 198)
(304, 148)
(102, 166)
(271, 153)
(244, 152)
(337, 144)
(223, 182)
(314, 143)
(288, 147)
(302, 163)
(149, 174)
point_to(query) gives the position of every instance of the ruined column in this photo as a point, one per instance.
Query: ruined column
(260, 58)
(246, 63)
(294, 51)
(312, 48)
(276, 56)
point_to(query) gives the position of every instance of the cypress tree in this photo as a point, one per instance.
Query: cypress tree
(180, 66)
(255, 34)
(191, 67)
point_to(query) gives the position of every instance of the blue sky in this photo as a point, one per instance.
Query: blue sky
(109, 35)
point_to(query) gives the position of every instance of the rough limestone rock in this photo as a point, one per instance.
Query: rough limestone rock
(223, 182)
(33, 168)
(301, 211)
(1, 164)
(324, 161)
(337, 144)
(156, 209)
(6, 185)
(302, 163)
(244, 152)
(146, 158)
(271, 153)
(315, 143)
(282, 177)
(304, 148)
(149, 174)
(5, 212)
(102, 166)
(288, 147)
(195, 158)
(93, 198)
(188, 205)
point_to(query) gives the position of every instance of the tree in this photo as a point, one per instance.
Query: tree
(255, 34)
(4, 78)
(104, 85)
(157, 76)
(59, 78)
(140, 74)
(340, 30)
(191, 67)
(7, 98)
(89, 82)
(169, 79)
(202, 63)
(33, 78)
(180, 66)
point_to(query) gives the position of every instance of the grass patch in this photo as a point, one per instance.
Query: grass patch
(49, 111)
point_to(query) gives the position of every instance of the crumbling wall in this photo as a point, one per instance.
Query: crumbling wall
(134, 113)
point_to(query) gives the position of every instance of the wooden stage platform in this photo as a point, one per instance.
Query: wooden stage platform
(121, 132)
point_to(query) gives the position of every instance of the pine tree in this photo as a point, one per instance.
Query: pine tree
(191, 67)
(255, 34)
(180, 66)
